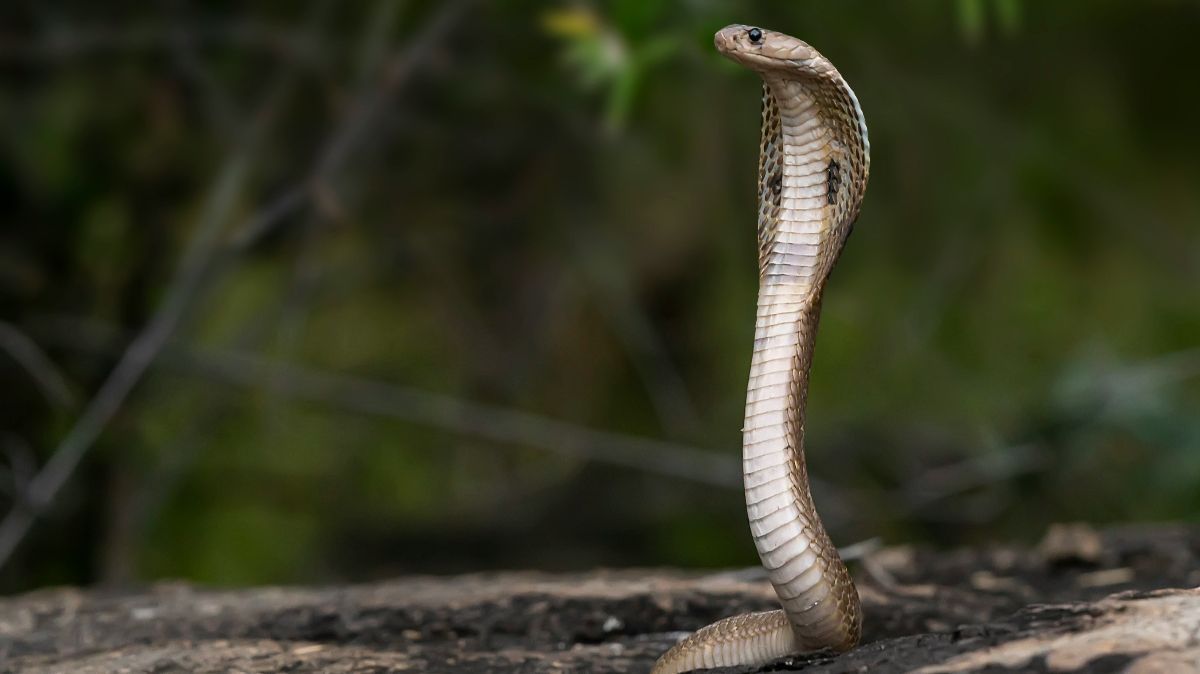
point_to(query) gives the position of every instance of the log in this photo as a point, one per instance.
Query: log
(1081, 601)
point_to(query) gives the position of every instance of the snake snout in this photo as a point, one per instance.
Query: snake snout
(723, 41)
(726, 39)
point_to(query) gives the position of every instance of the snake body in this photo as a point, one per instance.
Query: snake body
(813, 165)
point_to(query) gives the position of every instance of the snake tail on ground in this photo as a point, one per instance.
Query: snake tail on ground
(812, 173)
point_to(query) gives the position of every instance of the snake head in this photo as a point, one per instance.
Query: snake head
(765, 50)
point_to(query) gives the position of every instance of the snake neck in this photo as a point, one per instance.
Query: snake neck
(802, 169)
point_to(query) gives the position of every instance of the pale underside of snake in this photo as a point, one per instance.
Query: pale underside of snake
(813, 165)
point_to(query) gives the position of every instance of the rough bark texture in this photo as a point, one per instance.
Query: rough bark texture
(1080, 601)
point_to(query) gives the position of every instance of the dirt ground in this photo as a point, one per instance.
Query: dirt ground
(1086, 601)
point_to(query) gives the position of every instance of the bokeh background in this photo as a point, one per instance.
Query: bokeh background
(321, 291)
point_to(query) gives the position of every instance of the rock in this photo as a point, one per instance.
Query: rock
(1071, 543)
(995, 609)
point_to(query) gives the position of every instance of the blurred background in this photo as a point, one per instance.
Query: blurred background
(322, 291)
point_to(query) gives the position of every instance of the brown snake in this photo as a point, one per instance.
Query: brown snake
(812, 172)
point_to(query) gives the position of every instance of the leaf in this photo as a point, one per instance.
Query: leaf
(970, 20)
(571, 22)
(1008, 14)
(620, 98)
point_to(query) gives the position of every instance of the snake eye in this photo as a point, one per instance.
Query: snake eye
(755, 35)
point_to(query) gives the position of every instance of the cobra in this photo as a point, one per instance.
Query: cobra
(814, 160)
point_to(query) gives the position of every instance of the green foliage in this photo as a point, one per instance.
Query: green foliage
(974, 15)
(608, 59)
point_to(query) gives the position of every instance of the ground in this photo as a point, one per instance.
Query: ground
(1087, 601)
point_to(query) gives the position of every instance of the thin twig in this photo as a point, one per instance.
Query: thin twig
(861, 549)
(178, 454)
(470, 418)
(133, 364)
(203, 257)
(69, 42)
(668, 392)
(383, 399)
(216, 100)
(45, 374)
(21, 466)
(370, 101)
(192, 275)
(997, 466)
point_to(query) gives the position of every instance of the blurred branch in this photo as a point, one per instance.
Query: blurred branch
(67, 42)
(996, 466)
(45, 374)
(136, 359)
(411, 405)
(216, 100)
(177, 455)
(469, 418)
(132, 365)
(194, 271)
(606, 274)
(205, 255)
(861, 549)
(20, 466)
(520, 428)
(370, 100)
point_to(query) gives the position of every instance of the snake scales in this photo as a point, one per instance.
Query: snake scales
(813, 165)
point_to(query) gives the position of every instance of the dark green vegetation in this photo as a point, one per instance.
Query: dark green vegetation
(428, 250)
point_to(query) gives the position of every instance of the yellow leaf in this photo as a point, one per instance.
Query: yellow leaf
(573, 22)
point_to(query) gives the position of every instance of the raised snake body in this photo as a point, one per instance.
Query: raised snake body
(813, 166)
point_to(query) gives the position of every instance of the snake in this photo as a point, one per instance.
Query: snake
(814, 159)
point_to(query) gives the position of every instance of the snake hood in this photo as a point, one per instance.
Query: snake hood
(778, 56)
